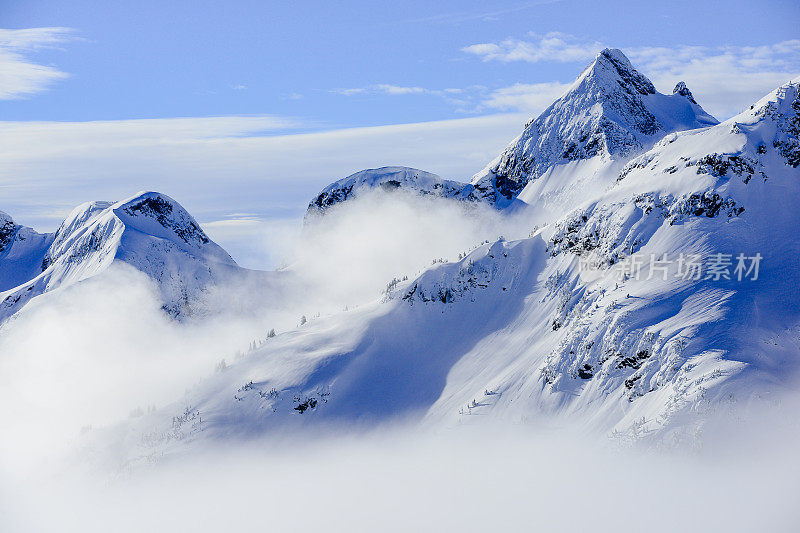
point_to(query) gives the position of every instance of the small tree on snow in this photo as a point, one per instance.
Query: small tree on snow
(303, 320)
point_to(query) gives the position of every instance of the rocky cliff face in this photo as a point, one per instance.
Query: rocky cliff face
(683, 90)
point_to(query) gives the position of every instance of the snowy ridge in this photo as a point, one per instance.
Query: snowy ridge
(149, 231)
(557, 324)
(387, 179)
(610, 111)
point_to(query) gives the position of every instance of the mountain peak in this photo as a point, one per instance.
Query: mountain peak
(610, 111)
(684, 91)
(5, 220)
(160, 215)
(611, 64)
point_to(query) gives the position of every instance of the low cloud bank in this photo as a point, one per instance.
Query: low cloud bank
(466, 479)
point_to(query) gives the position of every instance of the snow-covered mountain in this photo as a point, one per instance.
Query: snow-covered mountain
(657, 287)
(609, 113)
(150, 232)
(667, 296)
(385, 179)
(574, 149)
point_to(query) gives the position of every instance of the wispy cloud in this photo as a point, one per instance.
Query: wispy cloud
(48, 138)
(465, 99)
(725, 79)
(528, 97)
(384, 88)
(553, 46)
(19, 76)
(475, 99)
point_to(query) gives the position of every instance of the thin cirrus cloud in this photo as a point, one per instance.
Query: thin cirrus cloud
(384, 88)
(210, 164)
(465, 100)
(19, 75)
(725, 79)
(520, 97)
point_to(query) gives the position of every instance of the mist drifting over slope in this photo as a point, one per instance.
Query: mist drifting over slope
(91, 353)
(109, 352)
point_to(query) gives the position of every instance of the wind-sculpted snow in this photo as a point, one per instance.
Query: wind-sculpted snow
(386, 361)
(610, 111)
(150, 232)
(386, 179)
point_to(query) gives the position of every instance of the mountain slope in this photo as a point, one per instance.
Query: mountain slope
(563, 323)
(611, 111)
(149, 231)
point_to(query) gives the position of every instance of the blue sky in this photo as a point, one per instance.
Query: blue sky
(155, 59)
(243, 110)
